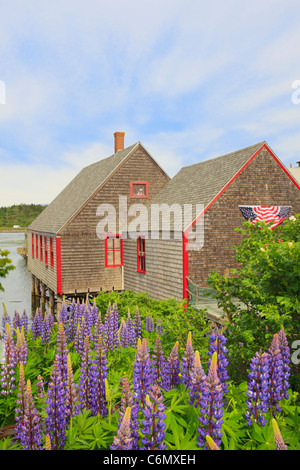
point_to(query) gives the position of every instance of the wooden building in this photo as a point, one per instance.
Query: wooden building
(161, 263)
(66, 255)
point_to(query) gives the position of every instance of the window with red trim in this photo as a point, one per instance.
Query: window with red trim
(46, 251)
(141, 255)
(51, 253)
(41, 248)
(113, 251)
(139, 189)
(32, 244)
(37, 245)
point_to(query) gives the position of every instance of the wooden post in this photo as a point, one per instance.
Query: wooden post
(51, 300)
(37, 287)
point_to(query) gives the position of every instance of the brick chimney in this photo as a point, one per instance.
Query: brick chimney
(119, 141)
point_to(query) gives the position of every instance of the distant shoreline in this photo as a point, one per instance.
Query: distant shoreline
(11, 230)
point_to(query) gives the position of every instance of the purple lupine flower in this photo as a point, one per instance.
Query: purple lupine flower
(159, 326)
(275, 375)
(137, 324)
(153, 425)
(123, 440)
(187, 361)
(85, 383)
(98, 329)
(159, 363)
(31, 435)
(143, 376)
(20, 410)
(79, 338)
(47, 327)
(98, 374)
(111, 327)
(211, 406)
(123, 334)
(56, 409)
(257, 389)
(9, 363)
(172, 378)
(5, 319)
(198, 377)
(217, 343)
(285, 354)
(37, 324)
(71, 392)
(71, 325)
(24, 321)
(63, 314)
(131, 330)
(21, 348)
(149, 323)
(95, 313)
(17, 322)
(62, 351)
(278, 440)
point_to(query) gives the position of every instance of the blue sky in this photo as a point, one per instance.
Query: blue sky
(189, 79)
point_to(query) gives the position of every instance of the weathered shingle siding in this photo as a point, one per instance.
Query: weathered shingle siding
(38, 268)
(262, 182)
(82, 252)
(163, 277)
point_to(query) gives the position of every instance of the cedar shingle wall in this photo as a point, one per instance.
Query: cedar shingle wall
(163, 277)
(82, 252)
(44, 273)
(263, 182)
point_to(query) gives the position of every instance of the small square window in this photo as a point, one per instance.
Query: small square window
(139, 189)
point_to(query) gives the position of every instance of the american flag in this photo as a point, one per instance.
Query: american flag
(274, 214)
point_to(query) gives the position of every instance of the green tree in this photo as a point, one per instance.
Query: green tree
(5, 265)
(267, 286)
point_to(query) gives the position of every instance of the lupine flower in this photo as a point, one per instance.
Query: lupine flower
(131, 330)
(258, 385)
(63, 313)
(123, 440)
(211, 443)
(20, 410)
(40, 387)
(48, 442)
(5, 319)
(111, 327)
(158, 326)
(17, 322)
(56, 409)
(85, 392)
(198, 377)
(8, 366)
(149, 323)
(158, 363)
(187, 361)
(153, 425)
(79, 338)
(285, 354)
(95, 313)
(98, 374)
(137, 324)
(211, 408)
(143, 378)
(24, 321)
(279, 442)
(99, 326)
(275, 375)
(62, 351)
(46, 329)
(217, 343)
(21, 347)
(31, 435)
(172, 369)
(127, 401)
(71, 392)
(37, 324)
(123, 334)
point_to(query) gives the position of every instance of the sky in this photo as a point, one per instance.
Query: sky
(189, 79)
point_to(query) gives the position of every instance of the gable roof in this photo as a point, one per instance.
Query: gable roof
(201, 183)
(78, 191)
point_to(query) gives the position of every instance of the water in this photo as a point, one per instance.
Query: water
(17, 283)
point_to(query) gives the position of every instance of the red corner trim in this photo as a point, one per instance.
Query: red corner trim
(58, 265)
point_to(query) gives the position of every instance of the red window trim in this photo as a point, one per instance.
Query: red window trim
(32, 244)
(141, 196)
(41, 247)
(46, 251)
(113, 236)
(139, 256)
(37, 246)
(51, 253)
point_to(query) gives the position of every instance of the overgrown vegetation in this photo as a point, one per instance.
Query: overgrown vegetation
(19, 214)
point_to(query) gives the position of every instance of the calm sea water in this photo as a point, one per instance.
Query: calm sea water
(17, 284)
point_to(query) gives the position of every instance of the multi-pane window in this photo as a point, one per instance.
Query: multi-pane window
(51, 253)
(41, 248)
(37, 246)
(141, 254)
(139, 189)
(46, 251)
(32, 244)
(113, 251)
